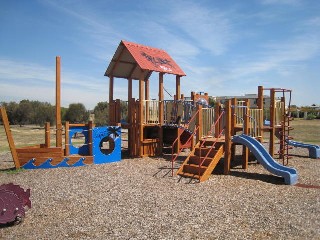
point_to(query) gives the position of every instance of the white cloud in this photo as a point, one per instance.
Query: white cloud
(210, 29)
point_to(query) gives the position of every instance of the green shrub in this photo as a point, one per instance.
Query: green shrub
(311, 116)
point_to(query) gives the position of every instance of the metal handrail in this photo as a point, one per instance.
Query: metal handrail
(173, 159)
(178, 137)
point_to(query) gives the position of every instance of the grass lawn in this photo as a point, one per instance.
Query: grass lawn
(307, 131)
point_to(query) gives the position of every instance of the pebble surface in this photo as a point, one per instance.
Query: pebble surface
(138, 199)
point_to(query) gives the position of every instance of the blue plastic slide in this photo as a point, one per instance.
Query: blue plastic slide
(264, 158)
(314, 150)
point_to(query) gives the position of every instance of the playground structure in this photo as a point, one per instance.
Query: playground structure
(14, 201)
(210, 133)
(100, 145)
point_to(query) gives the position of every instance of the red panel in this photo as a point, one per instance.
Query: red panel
(153, 59)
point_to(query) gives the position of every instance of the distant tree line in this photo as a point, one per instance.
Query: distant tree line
(38, 113)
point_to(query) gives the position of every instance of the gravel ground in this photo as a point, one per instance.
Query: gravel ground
(138, 199)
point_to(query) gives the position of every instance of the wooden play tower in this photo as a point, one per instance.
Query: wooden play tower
(133, 61)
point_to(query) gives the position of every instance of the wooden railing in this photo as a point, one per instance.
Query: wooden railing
(205, 139)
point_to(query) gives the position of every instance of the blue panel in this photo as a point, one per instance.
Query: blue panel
(101, 134)
(84, 149)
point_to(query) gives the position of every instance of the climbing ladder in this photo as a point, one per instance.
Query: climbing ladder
(284, 133)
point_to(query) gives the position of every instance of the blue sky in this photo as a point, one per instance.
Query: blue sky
(224, 47)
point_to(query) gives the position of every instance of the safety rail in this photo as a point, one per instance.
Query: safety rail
(207, 120)
(255, 116)
(151, 112)
(213, 145)
(173, 158)
(254, 125)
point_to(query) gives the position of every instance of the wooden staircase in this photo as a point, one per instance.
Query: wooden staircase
(197, 166)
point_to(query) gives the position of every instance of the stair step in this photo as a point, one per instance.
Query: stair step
(194, 169)
(189, 175)
(204, 152)
(197, 160)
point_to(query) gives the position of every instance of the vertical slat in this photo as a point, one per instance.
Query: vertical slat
(67, 139)
(227, 154)
(58, 103)
(272, 122)
(47, 134)
(245, 150)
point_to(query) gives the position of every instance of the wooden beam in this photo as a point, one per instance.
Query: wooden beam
(58, 103)
(111, 110)
(146, 89)
(141, 116)
(177, 87)
(67, 139)
(227, 153)
(9, 137)
(117, 60)
(245, 150)
(47, 134)
(161, 99)
(272, 121)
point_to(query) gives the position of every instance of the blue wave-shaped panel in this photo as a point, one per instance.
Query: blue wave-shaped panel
(48, 165)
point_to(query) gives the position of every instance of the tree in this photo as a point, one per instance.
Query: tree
(11, 108)
(212, 102)
(77, 113)
(44, 112)
(23, 114)
(101, 113)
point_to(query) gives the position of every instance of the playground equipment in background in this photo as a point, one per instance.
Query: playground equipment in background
(101, 144)
(14, 202)
(314, 150)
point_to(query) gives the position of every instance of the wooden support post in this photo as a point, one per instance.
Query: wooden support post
(90, 138)
(177, 87)
(67, 139)
(261, 106)
(118, 112)
(161, 111)
(141, 113)
(161, 99)
(245, 150)
(199, 123)
(234, 117)
(111, 110)
(227, 153)
(130, 113)
(283, 130)
(9, 137)
(272, 121)
(47, 134)
(147, 97)
(217, 112)
(58, 103)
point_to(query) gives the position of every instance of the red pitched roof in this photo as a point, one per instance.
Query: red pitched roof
(130, 57)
